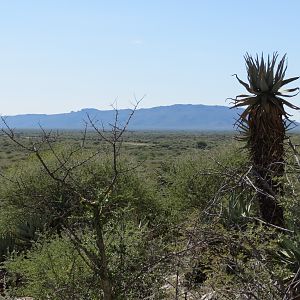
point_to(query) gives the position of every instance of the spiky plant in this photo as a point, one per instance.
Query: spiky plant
(263, 125)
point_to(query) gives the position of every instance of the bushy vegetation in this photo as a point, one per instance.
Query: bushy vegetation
(185, 227)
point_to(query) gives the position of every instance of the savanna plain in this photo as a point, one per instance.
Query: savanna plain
(141, 215)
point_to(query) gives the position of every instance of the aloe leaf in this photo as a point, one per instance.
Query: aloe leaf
(245, 102)
(277, 85)
(280, 107)
(290, 105)
(243, 83)
(246, 113)
(263, 84)
(285, 95)
(243, 127)
(243, 96)
(280, 71)
(290, 90)
(270, 73)
(286, 81)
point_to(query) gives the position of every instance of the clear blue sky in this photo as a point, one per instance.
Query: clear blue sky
(63, 55)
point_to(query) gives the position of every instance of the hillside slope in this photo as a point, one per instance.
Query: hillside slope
(174, 117)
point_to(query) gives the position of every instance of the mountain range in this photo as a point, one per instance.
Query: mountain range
(174, 117)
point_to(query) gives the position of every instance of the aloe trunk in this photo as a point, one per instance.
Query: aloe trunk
(267, 153)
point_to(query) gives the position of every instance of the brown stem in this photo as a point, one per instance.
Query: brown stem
(103, 269)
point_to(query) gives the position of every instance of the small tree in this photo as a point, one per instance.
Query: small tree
(77, 205)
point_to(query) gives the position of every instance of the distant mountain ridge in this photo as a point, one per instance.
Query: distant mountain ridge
(173, 117)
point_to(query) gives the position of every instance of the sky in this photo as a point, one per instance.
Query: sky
(65, 55)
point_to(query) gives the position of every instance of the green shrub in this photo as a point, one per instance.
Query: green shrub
(193, 181)
(127, 217)
(31, 193)
(52, 269)
(201, 145)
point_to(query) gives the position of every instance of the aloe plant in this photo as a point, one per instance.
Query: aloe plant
(263, 125)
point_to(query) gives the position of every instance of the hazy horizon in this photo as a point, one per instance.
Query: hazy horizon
(113, 108)
(62, 56)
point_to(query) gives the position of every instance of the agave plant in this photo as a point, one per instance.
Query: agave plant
(263, 125)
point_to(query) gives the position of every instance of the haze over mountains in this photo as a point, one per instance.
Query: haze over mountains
(174, 117)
